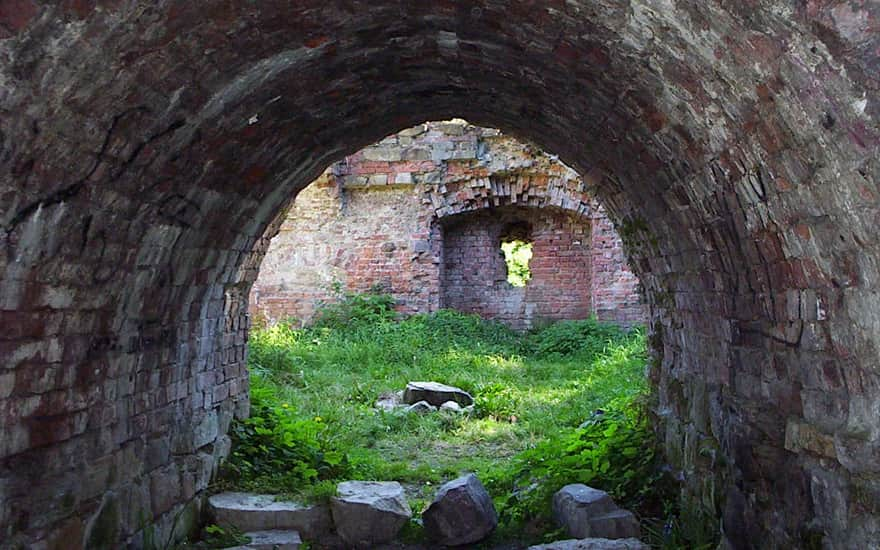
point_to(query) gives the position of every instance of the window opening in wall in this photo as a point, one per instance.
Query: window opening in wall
(517, 255)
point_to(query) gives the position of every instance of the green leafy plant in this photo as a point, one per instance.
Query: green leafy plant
(215, 536)
(684, 524)
(517, 255)
(354, 309)
(276, 446)
(613, 451)
(574, 337)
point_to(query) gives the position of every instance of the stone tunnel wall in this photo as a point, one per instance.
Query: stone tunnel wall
(147, 146)
(404, 216)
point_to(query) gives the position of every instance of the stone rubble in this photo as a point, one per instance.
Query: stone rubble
(432, 393)
(435, 394)
(369, 512)
(462, 513)
(586, 512)
(388, 401)
(451, 406)
(421, 407)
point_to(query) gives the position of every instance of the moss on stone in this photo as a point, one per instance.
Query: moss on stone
(104, 531)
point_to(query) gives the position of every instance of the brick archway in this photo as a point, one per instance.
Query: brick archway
(147, 146)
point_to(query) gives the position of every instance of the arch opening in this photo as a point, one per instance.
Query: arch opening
(421, 215)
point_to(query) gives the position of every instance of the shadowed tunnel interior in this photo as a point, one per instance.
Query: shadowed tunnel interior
(146, 147)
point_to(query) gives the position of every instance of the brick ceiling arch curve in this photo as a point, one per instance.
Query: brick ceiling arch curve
(146, 147)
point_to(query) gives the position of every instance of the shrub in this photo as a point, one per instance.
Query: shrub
(587, 336)
(276, 448)
(355, 309)
(613, 451)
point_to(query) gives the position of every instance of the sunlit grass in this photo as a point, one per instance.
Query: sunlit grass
(316, 388)
(334, 375)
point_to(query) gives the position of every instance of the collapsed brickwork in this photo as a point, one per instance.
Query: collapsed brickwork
(147, 147)
(421, 214)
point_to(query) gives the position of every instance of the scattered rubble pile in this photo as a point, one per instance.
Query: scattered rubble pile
(368, 514)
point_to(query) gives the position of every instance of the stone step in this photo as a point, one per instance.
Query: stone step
(275, 539)
(593, 544)
(250, 512)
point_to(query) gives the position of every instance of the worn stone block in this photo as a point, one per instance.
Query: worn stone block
(253, 512)
(366, 513)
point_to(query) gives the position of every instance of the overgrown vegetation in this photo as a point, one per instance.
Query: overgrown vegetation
(563, 404)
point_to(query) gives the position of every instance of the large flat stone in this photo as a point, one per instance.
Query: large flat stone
(435, 394)
(253, 512)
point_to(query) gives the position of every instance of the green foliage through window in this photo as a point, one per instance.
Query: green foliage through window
(517, 255)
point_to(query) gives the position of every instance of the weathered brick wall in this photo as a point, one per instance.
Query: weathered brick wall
(147, 146)
(475, 274)
(373, 221)
(344, 239)
(615, 292)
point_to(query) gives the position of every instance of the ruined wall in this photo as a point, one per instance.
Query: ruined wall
(373, 222)
(475, 274)
(615, 290)
(339, 239)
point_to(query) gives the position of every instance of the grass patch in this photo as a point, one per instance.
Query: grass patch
(534, 428)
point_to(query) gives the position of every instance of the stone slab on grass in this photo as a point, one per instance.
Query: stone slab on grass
(435, 393)
(254, 512)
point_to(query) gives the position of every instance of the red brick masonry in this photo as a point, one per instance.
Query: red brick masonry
(420, 215)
